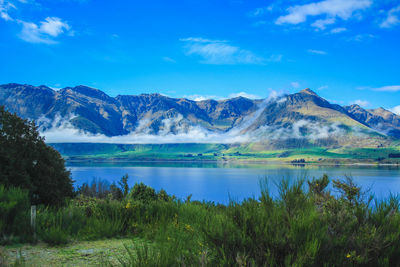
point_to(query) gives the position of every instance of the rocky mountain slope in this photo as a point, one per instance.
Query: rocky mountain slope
(380, 119)
(303, 116)
(93, 111)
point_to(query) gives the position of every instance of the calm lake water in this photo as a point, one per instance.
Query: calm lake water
(222, 182)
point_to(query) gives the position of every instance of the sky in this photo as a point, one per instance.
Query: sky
(347, 51)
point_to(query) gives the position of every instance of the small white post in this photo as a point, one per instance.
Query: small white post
(33, 220)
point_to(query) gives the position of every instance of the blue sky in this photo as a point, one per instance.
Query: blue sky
(345, 50)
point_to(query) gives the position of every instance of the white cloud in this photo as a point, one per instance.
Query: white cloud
(361, 103)
(389, 88)
(322, 87)
(295, 84)
(4, 15)
(392, 18)
(65, 132)
(260, 11)
(197, 97)
(31, 33)
(317, 52)
(201, 40)
(168, 59)
(338, 30)
(275, 58)
(44, 32)
(331, 9)
(362, 37)
(396, 110)
(218, 52)
(53, 26)
(259, 23)
(5, 7)
(321, 23)
(50, 28)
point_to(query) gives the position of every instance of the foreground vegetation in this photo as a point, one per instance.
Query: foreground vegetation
(28, 163)
(306, 225)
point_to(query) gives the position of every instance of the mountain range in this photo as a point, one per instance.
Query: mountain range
(81, 113)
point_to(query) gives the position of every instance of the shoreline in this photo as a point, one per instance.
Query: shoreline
(249, 162)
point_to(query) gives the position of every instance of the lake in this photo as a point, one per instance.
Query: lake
(223, 182)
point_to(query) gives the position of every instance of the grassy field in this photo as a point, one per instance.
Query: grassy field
(223, 152)
(82, 253)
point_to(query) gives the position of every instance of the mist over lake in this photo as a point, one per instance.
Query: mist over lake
(221, 182)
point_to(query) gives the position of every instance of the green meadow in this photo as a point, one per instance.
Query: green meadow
(223, 152)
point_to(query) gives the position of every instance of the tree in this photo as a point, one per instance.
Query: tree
(27, 162)
(123, 185)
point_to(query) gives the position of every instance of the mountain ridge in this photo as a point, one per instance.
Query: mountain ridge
(293, 116)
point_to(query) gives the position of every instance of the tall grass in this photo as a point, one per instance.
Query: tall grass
(305, 225)
(14, 215)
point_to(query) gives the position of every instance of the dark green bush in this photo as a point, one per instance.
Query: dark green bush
(54, 235)
(14, 215)
(109, 219)
(142, 192)
(84, 218)
(58, 226)
(163, 196)
(147, 255)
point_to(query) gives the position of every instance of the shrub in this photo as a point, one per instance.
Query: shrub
(58, 226)
(163, 196)
(14, 214)
(142, 192)
(108, 219)
(146, 255)
(103, 227)
(54, 235)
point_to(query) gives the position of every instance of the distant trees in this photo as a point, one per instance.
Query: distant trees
(27, 162)
(103, 189)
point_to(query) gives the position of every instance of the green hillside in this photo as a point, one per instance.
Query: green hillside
(222, 152)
